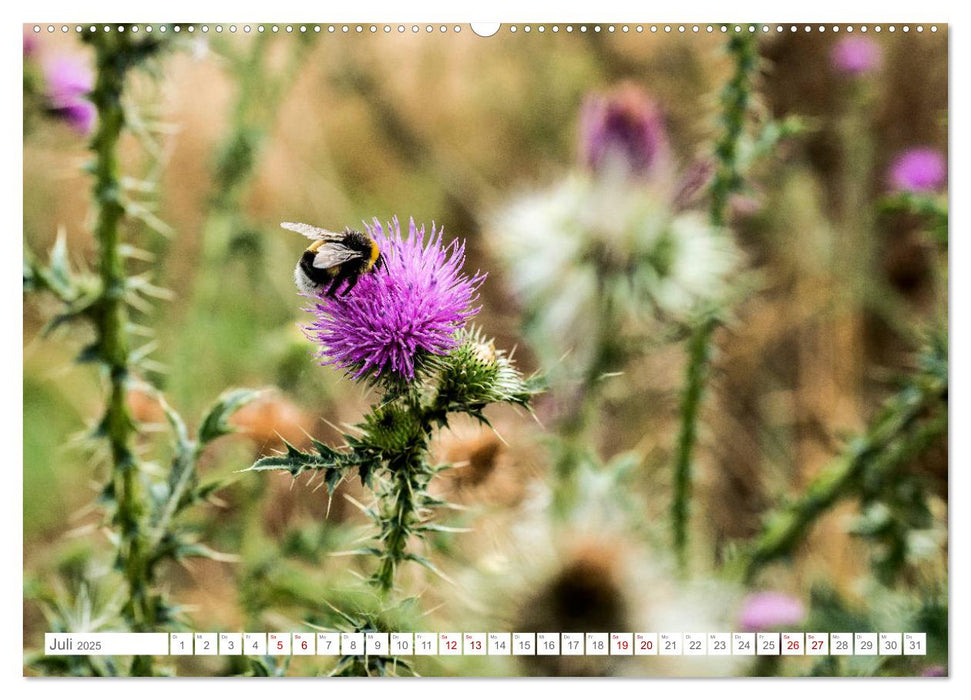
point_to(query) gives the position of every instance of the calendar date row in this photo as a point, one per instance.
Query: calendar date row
(488, 644)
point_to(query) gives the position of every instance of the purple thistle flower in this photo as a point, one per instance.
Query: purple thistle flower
(623, 128)
(412, 306)
(68, 83)
(918, 170)
(856, 55)
(768, 610)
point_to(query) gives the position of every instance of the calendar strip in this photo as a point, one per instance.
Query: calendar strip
(486, 644)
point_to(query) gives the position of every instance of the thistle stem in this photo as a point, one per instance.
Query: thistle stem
(111, 321)
(400, 499)
(727, 179)
(735, 98)
(401, 515)
(699, 350)
(574, 427)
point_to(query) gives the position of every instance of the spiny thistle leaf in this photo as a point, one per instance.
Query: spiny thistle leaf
(364, 472)
(203, 492)
(215, 424)
(296, 461)
(181, 475)
(79, 292)
(908, 423)
(418, 559)
(198, 550)
(332, 477)
(59, 264)
(435, 527)
(143, 213)
(30, 276)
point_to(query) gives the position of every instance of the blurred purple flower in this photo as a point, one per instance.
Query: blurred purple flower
(768, 610)
(67, 79)
(918, 170)
(68, 83)
(411, 306)
(856, 55)
(30, 43)
(79, 114)
(934, 672)
(623, 128)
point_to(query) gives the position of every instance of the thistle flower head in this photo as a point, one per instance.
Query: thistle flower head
(475, 374)
(68, 83)
(588, 240)
(624, 131)
(856, 55)
(918, 170)
(399, 315)
(594, 574)
(768, 610)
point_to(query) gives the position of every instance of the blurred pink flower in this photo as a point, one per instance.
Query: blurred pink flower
(30, 42)
(768, 610)
(79, 114)
(623, 128)
(934, 672)
(67, 79)
(68, 83)
(918, 170)
(856, 55)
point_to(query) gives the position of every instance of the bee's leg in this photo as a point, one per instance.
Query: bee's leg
(351, 281)
(335, 284)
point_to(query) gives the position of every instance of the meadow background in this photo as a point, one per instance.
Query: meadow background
(236, 133)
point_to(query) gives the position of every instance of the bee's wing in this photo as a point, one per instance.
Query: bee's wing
(314, 233)
(334, 254)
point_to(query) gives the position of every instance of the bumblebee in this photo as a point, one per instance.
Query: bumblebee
(333, 258)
